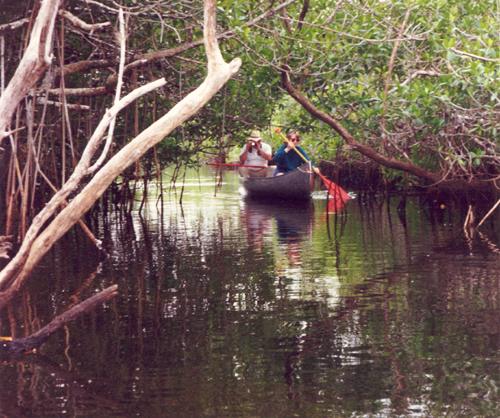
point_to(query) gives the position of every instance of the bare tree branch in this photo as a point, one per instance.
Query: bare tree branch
(79, 23)
(13, 25)
(36, 339)
(142, 60)
(35, 61)
(81, 170)
(418, 73)
(74, 106)
(109, 139)
(476, 57)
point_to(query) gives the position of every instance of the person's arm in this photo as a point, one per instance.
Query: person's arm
(244, 152)
(315, 169)
(265, 151)
(279, 155)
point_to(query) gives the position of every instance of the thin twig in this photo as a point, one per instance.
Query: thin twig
(489, 213)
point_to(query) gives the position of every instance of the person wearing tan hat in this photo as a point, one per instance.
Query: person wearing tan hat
(255, 153)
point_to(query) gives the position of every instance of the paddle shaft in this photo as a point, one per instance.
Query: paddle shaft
(292, 145)
(237, 165)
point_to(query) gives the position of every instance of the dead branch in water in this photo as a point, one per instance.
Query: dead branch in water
(489, 213)
(35, 340)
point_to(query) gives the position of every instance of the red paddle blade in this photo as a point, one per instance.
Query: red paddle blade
(335, 191)
(334, 206)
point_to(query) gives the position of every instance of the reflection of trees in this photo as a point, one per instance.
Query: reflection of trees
(383, 317)
(33, 375)
(204, 324)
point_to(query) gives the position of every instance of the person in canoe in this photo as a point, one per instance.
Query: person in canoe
(288, 159)
(255, 153)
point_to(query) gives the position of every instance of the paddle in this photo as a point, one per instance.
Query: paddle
(334, 190)
(236, 165)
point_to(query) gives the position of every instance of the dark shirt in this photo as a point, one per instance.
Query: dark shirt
(288, 161)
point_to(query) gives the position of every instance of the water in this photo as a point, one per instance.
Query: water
(229, 308)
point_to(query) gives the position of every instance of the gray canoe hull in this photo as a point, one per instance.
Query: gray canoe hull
(295, 185)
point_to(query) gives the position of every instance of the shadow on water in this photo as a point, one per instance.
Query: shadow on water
(232, 307)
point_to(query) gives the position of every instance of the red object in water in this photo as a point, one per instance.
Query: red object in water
(337, 195)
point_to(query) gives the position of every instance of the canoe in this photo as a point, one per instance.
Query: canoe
(295, 185)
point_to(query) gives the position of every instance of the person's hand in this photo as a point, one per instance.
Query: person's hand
(316, 170)
(289, 145)
(249, 146)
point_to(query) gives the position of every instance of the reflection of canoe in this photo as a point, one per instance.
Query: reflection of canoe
(295, 185)
(293, 218)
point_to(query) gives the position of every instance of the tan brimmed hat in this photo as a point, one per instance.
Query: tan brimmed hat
(255, 135)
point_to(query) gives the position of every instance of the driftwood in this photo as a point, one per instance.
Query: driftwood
(26, 344)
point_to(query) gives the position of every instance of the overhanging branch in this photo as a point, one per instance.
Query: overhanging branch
(363, 149)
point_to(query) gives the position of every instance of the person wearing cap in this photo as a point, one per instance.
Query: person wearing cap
(255, 153)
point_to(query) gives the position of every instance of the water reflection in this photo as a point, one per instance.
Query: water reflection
(291, 220)
(232, 308)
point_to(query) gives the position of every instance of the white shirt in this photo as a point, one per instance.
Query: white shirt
(253, 158)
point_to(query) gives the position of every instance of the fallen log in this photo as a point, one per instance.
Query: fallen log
(33, 341)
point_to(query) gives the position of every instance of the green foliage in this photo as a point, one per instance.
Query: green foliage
(436, 103)
(441, 91)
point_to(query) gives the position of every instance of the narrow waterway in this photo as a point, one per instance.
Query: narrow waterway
(234, 308)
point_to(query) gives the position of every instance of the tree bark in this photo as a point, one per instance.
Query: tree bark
(5, 246)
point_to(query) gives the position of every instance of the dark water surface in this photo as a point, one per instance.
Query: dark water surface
(230, 308)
